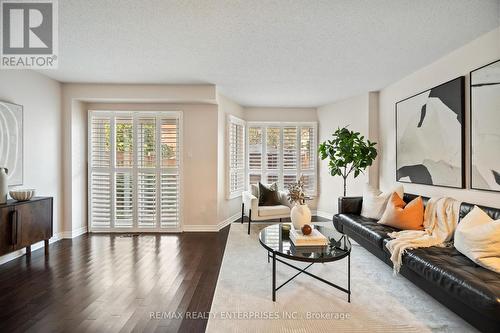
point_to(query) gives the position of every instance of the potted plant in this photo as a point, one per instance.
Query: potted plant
(348, 152)
(300, 213)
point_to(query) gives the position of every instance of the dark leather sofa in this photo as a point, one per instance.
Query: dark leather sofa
(469, 290)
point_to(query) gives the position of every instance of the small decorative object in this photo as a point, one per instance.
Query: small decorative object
(485, 127)
(300, 213)
(3, 185)
(430, 132)
(285, 229)
(22, 194)
(11, 141)
(306, 229)
(348, 152)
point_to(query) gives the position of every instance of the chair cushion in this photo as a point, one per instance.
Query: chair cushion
(365, 227)
(457, 275)
(274, 210)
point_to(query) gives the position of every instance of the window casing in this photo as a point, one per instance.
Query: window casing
(236, 156)
(135, 171)
(282, 152)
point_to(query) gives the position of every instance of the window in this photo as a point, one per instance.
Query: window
(236, 158)
(282, 152)
(134, 170)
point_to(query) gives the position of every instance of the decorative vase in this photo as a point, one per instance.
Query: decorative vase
(3, 185)
(300, 215)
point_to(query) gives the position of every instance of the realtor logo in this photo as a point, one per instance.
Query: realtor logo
(29, 34)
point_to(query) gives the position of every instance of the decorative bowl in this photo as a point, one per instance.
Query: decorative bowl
(24, 194)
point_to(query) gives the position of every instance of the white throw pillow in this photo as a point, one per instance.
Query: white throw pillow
(374, 201)
(477, 237)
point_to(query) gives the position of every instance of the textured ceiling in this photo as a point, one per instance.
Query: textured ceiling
(264, 53)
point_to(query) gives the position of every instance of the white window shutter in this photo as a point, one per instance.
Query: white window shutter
(236, 156)
(170, 172)
(134, 170)
(289, 150)
(100, 175)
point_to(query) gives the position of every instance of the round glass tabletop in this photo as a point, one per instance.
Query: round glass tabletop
(276, 238)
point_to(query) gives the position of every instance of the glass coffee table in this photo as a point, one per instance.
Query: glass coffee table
(275, 239)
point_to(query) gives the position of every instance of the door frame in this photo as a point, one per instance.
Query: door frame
(135, 114)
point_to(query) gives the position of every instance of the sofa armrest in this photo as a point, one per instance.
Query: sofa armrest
(350, 205)
(250, 201)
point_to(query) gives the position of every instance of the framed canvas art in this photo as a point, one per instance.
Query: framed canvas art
(11, 141)
(430, 137)
(485, 127)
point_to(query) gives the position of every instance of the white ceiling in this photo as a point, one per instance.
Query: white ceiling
(264, 53)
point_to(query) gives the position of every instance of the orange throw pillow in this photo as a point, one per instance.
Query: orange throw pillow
(404, 216)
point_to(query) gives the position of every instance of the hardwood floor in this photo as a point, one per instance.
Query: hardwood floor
(112, 283)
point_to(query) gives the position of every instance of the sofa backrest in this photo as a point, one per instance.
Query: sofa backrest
(465, 208)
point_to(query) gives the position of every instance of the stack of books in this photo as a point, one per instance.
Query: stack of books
(315, 238)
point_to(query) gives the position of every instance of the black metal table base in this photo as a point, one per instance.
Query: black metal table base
(303, 270)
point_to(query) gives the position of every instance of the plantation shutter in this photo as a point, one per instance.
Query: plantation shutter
(308, 148)
(146, 172)
(290, 155)
(236, 156)
(100, 156)
(255, 152)
(289, 150)
(170, 172)
(134, 170)
(124, 173)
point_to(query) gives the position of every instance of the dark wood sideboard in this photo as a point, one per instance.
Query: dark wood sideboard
(25, 223)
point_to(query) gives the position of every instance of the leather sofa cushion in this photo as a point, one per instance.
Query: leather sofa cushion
(365, 227)
(465, 209)
(274, 210)
(456, 274)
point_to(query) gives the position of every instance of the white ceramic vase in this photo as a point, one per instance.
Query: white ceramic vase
(300, 215)
(3, 185)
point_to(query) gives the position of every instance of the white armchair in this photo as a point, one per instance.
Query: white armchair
(250, 207)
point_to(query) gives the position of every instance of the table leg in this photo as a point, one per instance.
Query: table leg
(274, 276)
(46, 246)
(349, 278)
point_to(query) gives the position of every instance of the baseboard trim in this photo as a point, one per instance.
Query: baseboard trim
(73, 233)
(229, 220)
(326, 215)
(200, 228)
(211, 227)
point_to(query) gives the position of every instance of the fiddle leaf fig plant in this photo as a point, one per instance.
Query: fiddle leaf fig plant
(348, 152)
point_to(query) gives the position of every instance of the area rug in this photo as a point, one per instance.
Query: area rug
(380, 302)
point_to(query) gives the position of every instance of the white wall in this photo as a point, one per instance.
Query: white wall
(227, 209)
(479, 52)
(355, 113)
(41, 99)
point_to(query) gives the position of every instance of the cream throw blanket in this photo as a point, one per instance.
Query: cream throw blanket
(440, 220)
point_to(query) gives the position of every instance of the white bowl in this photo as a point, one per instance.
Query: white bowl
(22, 194)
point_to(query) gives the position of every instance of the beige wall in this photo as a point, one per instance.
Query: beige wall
(200, 134)
(355, 113)
(460, 62)
(41, 99)
(227, 209)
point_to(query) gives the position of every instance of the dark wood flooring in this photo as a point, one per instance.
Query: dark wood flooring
(112, 283)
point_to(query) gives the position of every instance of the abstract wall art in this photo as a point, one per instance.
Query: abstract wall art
(485, 127)
(11, 141)
(430, 136)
